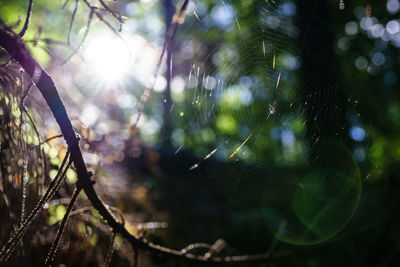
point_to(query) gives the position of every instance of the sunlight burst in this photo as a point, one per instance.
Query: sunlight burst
(109, 58)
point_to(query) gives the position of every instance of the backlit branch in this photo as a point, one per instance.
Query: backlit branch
(112, 12)
(28, 16)
(72, 22)
(50, 256)
(94, 10)
(83, 38)
(8, 248)
(16, 48)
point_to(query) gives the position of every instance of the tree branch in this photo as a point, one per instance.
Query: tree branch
(115, 14)
(72, 22)
(16, 47)
(28, 16)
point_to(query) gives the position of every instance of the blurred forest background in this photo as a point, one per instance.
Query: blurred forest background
(273, 126)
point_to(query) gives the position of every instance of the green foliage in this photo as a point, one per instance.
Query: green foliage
(288, 118)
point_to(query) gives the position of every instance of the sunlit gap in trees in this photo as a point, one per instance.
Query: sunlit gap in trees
(108, 57)
(112, 60)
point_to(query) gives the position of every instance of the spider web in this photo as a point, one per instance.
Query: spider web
(260, 129)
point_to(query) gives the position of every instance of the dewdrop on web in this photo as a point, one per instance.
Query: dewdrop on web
(241, 145)
(341, 5)
(206, 157)
(273, 62)
(279, 78)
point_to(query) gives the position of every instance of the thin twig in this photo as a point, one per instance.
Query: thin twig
(115, 14)
(71, 22)
(47, 41)
(110, 250)
(51, 138)
(193, 246)
(65, 4)
(106, 10)
(17, 23)
(37, 36)
(95, 10)
(28, 16)
(25, 110)
(83, 38)
(81, 211)
(102, 19)
(216, 248)
(9, 247)
(23, 184)
(32, 122)
(23, 202)
(7, 63)
(26, 94)
(50, 256)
